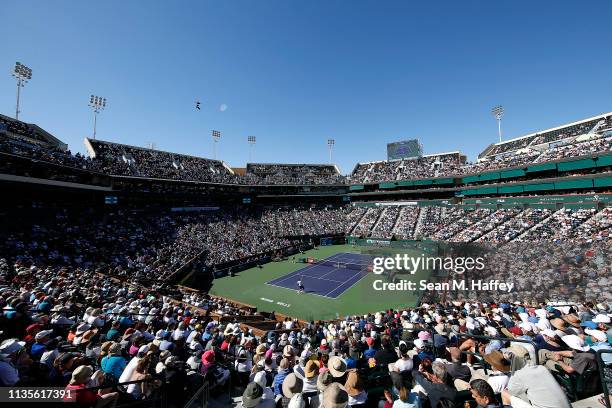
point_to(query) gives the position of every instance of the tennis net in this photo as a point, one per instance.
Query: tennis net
(339, 265)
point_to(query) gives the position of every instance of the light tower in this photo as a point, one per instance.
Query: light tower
(97, 104)
(216, 135)
(330, 145)
(498, 112)
(22, 74)
(251, 140)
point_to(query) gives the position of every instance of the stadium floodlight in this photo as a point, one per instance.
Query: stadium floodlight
(216, 135)
(498, 112)
(97, 104)
(330, 145)
(22, 74)
(251, 140)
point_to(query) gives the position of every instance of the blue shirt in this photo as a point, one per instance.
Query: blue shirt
(113, 365)
(37, 350)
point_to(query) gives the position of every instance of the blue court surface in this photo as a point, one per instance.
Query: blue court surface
(329, 279)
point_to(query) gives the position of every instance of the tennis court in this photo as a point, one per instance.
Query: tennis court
(330, 277)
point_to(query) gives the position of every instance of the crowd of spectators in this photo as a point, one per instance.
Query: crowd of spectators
(24, 130)
(17, 147)
(406, 222)
(566, 132)
(278, 173)
(561, 225)
(385, 225)
(117, 159)
(145, 246)
(473, 231)
(464, 224)
(404, 169)
(75, 328)
(367, 222)
(426, 168)
(468, 220)
(561, 271)
(576, 149)
(514, 227)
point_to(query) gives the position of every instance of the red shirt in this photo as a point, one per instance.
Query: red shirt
(83, 398)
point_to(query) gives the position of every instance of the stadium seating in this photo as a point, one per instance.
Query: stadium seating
(126, 160)
(93, 296)
(277, 173)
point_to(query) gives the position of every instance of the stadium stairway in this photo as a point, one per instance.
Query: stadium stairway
(419, 223)
(379, 217)
(484, 226)
(388, 214)
(535, 226)
(405, 213)
(361, 212)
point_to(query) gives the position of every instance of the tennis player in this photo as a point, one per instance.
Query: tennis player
(300, 284)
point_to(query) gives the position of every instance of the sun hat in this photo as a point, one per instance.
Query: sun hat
(572, 319)
(597, 334)
(81, 375)
(292, 384)
(335, 396)
(558, 324)
(252, 395)
(311, 369)
(11, 346)
(288, 351)
(337, 366)
(260, 378)
(297, 401)
(497, 361)
(323, 381)
(42, 334)
(353, 384)
(82, 328)
(575, 342)
(602, 318)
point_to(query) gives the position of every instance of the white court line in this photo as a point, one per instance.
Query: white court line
(332, 271)
(322, 277)
(297, 291)
(353, 284)
(294, 273)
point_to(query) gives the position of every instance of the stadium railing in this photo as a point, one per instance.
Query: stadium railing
(159, 398)
(200, 398)
(605, 375)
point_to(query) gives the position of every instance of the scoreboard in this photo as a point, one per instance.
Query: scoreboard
(405, 149)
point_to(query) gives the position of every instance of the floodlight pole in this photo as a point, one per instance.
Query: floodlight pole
(97, 104)
(330, 145)
(19, 85)
(216, 135)
(251, 140)
(22, 74)
(95, 113)
(498, 112)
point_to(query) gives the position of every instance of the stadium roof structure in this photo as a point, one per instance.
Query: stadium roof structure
(92, 153)
(540, 133)
(45, 137)
(296, 165)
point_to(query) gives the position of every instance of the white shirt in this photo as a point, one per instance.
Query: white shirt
(404, 365)
(128, 370)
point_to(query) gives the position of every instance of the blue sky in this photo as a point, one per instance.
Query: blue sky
(295, 73)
